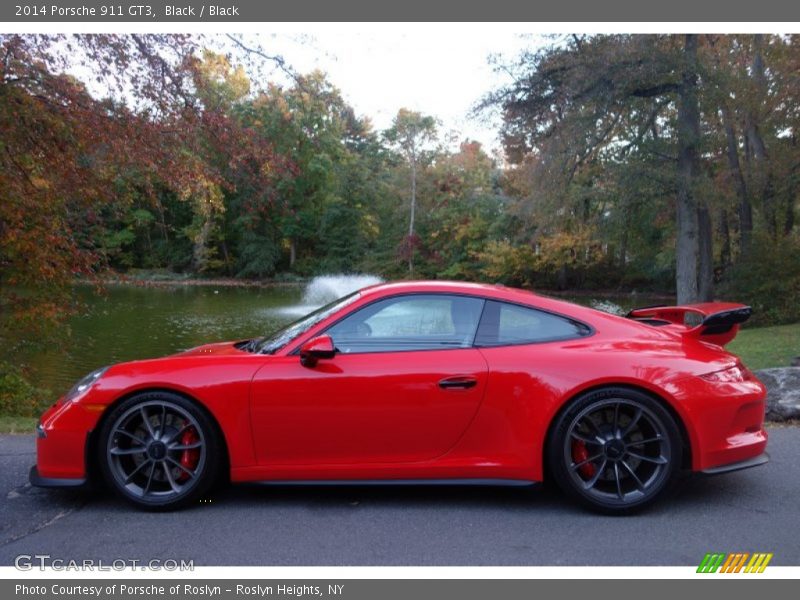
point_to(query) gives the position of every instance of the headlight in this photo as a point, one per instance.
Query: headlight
(735, 374)
(84, 384)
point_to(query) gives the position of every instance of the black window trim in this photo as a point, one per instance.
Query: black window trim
(473, 346)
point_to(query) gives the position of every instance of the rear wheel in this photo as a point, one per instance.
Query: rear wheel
(615, 450)
(159, 450)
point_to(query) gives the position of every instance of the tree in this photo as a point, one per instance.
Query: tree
(76, 161)
(219, 88)
(411, 132)
(690, 240)
(465, 205)
(597, 102)
(64, 152)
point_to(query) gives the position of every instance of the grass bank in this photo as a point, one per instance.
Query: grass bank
(764, 347)
(164, 278)
(17, 424)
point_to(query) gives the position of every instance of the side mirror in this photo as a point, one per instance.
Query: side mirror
(315, 349)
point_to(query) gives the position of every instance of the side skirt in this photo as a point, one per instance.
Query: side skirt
(365, 482)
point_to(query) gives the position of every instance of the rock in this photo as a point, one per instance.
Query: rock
(783, 392)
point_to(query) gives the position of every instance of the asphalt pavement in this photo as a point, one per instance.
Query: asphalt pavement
(753, 511)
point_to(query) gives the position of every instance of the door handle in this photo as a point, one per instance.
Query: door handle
(458, 383)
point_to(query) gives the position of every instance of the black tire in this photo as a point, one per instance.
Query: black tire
(615, 450)
(159, 451)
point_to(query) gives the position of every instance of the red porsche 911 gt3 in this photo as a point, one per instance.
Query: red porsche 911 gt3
(424, 382)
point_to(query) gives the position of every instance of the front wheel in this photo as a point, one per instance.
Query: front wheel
(615, 450)
(159, 451)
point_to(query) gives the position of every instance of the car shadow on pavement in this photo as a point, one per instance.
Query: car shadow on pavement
(688, 494)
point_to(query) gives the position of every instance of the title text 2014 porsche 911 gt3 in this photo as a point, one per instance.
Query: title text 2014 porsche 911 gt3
(425, 382)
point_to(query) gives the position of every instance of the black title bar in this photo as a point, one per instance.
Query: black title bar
(627, 11)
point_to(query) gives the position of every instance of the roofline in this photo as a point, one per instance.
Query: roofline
(442, 284)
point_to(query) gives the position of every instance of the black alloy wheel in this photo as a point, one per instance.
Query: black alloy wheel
(616, 450)
(159, 450)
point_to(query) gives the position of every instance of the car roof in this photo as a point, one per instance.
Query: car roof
(455, 287)
(497, 292)
(486, 290)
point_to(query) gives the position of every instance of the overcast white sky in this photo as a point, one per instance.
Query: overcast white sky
(442, 75)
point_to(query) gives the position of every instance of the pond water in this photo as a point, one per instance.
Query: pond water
(130, 322)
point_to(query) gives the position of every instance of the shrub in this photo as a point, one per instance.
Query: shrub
(18, 397)
(504, 262)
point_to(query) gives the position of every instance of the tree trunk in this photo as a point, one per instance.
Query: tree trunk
(226, 255)
(292, 253)
(162, 221)
(687, 252)
(744, 210)
(200, 251)
(788, 220)
(705, 266)
(561, 277)
(725, 236)
(413, 213)
(763, 173)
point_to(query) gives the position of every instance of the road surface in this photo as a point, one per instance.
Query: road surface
(753, 511)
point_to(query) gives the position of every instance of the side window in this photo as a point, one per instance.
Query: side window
(413, 322)
(509, 324)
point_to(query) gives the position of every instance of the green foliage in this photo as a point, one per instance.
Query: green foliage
(258, 255)
(18, 396)
(412, 132)
(768, 280)
(503, 262)
(115, 245)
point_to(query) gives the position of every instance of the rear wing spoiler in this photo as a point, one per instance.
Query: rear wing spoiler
(714, 322)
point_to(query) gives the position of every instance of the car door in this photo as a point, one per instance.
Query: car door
(403, 387)
(530, 366)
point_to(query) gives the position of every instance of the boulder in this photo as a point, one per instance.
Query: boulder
(783, 392)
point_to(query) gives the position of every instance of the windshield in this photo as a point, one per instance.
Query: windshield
(277, 340)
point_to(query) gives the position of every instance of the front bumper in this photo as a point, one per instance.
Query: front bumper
(756, 461)
(55, 482)
(62, 438)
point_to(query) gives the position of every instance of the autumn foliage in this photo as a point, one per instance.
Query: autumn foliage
(71, 161)
(173, 153)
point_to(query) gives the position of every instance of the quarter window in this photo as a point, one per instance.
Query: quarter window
(509, 324)
(413, 322)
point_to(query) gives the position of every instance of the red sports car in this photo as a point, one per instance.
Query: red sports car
(424, 382)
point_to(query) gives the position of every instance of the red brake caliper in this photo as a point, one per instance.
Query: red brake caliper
(190, 457)
(580, 454)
